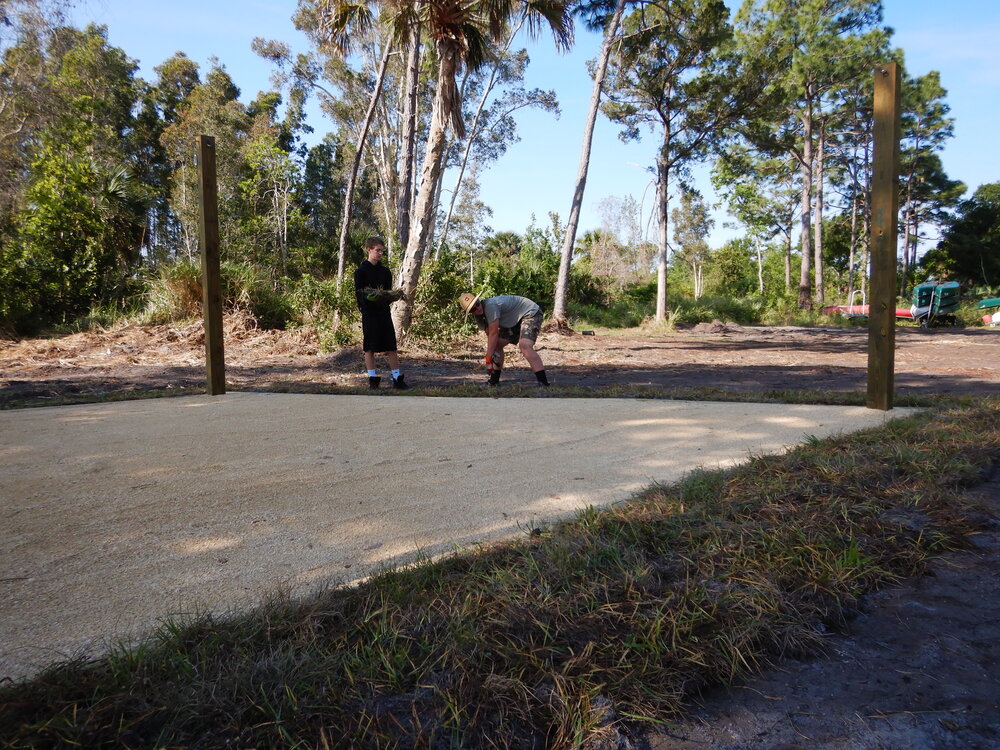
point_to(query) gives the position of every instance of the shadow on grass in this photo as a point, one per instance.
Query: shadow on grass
(579, 633)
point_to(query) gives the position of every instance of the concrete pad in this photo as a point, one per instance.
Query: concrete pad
(117, 515)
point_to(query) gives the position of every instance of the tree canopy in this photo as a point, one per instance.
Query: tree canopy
(969, 251)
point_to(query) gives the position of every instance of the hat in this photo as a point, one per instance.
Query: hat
(468, 301)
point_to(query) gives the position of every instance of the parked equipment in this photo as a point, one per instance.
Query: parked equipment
(861, 311)
(935, 302)
(991, 319)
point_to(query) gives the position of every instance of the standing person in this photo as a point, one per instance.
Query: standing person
(373, 287)
(507, 319)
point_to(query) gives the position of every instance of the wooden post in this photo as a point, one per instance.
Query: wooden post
(215, 366)
(885, 207)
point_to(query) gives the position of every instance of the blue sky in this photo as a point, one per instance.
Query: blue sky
(536, 176)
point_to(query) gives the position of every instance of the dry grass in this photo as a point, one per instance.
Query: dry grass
(561, 639)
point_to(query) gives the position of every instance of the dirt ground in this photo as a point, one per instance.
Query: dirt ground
(919, 666)
(718, 355)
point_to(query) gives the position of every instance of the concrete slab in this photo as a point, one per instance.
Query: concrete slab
(117, 515)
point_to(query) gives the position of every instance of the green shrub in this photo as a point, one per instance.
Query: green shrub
(531, 273)
(625, 309)
(969, 315)
(104, 316)
(437, 318)
(784, 311)
(331, 310)
(252, 289)
(176, 294)
(745, 311)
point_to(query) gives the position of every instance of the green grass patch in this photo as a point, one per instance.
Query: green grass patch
(547, 640)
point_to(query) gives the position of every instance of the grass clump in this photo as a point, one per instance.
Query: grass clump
(560, 639)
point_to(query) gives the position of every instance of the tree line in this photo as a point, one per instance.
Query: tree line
(99, 190)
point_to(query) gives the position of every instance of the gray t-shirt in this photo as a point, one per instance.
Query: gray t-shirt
(509, 309)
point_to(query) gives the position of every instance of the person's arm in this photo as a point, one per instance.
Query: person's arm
(492, 341)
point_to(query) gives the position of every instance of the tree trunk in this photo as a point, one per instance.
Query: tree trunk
(404, 197)
(788, 258)
(385, 158)
(432, 243)
(907, 223)
(356, 164)
(423, 214)
(805, 223)
(663, 203)
(760, 267)
(853, 256)
(569, 239)
(818, 216)
(867, 223)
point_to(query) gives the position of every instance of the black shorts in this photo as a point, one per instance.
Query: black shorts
(378, 333)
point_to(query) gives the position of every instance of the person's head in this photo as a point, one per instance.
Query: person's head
(471, 303)
(375, 248)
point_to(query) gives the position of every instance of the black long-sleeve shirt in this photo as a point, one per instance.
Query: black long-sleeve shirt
(372, 276)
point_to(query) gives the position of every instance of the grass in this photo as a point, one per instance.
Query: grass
(511, 390)
(687, 393)
(477, 390)
(556, 639)
(95, 397)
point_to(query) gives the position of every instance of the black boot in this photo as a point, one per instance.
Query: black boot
(373, 382)
(399, 384)
(542, 377)
(494, 378)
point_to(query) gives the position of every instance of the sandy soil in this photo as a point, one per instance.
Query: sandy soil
(727, 356)
(919, 668)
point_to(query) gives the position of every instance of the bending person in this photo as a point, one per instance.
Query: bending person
(507, 319)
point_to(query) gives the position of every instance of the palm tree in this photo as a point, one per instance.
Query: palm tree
(408, 157)
(462, 31)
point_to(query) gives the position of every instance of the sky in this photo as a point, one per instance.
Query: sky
(537, 175)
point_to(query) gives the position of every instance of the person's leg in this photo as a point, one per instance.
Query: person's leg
(373, 378)
(369, 343)
(534, 359)
(531, 328)
(398, 382)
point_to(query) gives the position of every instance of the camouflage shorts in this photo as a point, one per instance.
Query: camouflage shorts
(528, 327)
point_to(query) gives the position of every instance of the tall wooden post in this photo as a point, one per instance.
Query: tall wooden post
(885, 207)
(215, 366)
